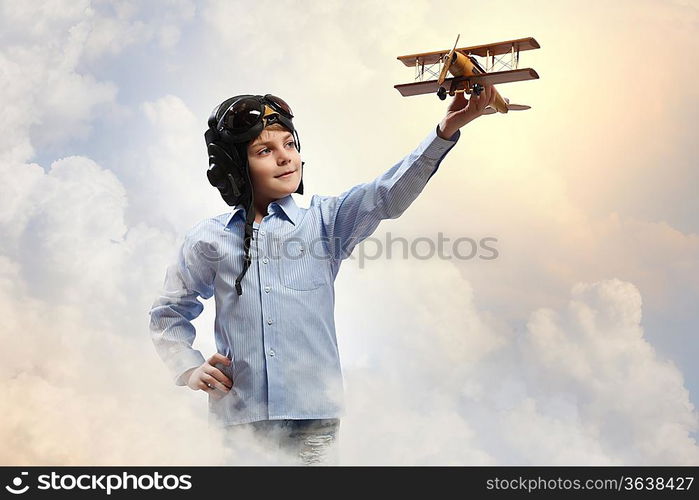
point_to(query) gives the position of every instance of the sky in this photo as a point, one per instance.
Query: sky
(576, 345)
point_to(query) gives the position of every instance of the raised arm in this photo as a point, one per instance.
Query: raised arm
(354, 215)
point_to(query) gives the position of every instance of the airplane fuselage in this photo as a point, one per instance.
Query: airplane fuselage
(463, 66)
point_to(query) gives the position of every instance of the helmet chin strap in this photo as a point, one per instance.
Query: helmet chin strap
(249, 219)
(248, 238)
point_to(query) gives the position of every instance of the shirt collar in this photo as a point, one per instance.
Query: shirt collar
(286, 205)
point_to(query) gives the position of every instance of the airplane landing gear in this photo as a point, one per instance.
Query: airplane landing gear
(442, 93)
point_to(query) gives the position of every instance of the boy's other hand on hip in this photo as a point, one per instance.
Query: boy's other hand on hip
(210, 379)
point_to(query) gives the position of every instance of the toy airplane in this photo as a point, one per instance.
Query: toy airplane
(469, 75)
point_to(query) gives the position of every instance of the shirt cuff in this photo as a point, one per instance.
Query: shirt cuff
(434, 147)
(184, 360)
(454, 137)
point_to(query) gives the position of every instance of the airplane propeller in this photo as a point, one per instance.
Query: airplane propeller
(447, 62)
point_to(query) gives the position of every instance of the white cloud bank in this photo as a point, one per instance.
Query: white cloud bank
(446, 383)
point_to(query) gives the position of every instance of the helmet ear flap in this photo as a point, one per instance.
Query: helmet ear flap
(224, 172)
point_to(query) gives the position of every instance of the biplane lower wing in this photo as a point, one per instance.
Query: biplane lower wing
(460, 83)
(515, 75)
(417, 88)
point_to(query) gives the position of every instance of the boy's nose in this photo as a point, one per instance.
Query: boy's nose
(284, 157)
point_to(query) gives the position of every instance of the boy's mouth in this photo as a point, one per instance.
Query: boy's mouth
(285, 174)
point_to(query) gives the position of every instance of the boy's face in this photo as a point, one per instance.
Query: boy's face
(270, 155)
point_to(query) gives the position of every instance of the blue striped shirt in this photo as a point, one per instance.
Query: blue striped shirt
(280, 333)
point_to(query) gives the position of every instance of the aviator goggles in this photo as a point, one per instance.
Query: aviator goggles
(246, 117)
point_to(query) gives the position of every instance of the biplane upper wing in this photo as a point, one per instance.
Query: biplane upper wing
(458, 83)
(492, 49)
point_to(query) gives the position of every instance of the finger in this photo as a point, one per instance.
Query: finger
(210, 390)
(208, 379)
(466, 103)
(489, 92)
(218, 358)
(458, 102)
(219, 375)
(477, 101)
(483, 96)
(472, 100)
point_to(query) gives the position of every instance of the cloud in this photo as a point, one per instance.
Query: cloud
(47, 51)
(43, 92)
(579, 386)
(81, 383)
(632, 399)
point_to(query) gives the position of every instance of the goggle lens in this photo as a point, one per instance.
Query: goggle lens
(245, 114)
(280, 104)
(242, 115)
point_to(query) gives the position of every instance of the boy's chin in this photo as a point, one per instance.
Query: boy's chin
(288, 190)
(285, 192)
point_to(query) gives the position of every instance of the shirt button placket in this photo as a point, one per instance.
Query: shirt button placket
(265, 275)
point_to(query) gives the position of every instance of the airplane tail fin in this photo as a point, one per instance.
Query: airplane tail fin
(517, 107)
(510, 107)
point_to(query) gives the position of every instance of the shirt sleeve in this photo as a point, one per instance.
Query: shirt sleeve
(172, 332)
(354, 215)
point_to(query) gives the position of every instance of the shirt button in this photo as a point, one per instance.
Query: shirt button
(267, 289)
(262, 233)
(264, 261)
(271, 352)
(270, 321)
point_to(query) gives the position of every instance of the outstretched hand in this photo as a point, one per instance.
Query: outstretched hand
(462, 110)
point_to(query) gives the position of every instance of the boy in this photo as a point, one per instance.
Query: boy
(277, 369)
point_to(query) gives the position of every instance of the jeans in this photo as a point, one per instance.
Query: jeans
(293, 442)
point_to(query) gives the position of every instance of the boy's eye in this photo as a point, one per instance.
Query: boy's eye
(263, 150)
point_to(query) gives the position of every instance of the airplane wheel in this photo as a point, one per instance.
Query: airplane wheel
(442, 93)
(477, 89)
